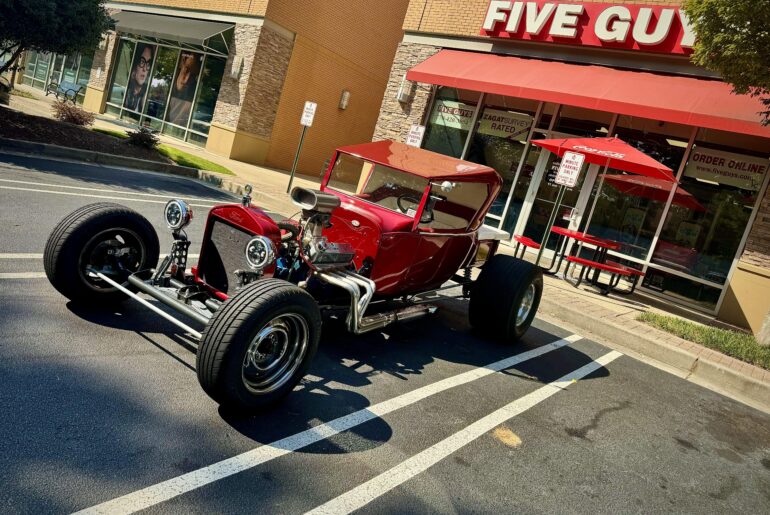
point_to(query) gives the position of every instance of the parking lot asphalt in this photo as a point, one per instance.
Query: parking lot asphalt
(103, 411)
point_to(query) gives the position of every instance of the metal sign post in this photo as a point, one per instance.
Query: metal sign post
(566, 177)
(307, 121)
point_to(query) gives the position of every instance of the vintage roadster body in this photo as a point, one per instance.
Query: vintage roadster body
(390, 225)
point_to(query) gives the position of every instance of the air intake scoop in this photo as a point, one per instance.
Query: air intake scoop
(314, 200)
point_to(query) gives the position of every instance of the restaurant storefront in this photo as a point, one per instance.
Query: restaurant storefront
(489, 88)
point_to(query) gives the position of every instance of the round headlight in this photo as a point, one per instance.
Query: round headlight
(260, 252)
(177, 214)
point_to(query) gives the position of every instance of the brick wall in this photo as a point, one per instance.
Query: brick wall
(757, 250)
(233, 91)
(245, 7)
(465, 17)
(395, 117)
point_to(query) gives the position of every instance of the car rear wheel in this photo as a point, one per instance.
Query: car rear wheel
(505, 298)
(258, 345)
(99, 238)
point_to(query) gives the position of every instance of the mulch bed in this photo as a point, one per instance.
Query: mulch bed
(17, 125)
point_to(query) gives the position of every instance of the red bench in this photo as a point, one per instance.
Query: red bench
(616, 271)
(525, 242)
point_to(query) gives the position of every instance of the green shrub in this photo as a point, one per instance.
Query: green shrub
(143, 137)
(67, 112)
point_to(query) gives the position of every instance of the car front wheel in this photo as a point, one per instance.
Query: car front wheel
(259, 345)
(505, 297)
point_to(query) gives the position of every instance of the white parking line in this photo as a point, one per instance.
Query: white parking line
(125, 192)
(152, 495)
(406, 470)
(22, 275)
(21, 256)
(102, 197)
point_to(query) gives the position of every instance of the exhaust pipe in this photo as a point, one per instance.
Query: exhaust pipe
(356, 321)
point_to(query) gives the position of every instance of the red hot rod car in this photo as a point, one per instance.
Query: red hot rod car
(390, 224)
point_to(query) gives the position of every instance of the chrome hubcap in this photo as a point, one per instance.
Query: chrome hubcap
(526, 305)
(275, 353)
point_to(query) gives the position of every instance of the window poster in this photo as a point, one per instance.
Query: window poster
(138, 79)
(183, 88)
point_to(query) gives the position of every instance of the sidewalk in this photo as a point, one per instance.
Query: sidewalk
(610, 320)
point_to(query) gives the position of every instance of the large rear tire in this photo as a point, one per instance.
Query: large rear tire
(259, 345)
(505, 298)
(107, 238)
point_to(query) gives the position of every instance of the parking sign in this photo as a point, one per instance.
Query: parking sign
(569, 169)
(308, 114)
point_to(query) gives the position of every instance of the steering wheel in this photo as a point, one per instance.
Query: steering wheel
(427, 213)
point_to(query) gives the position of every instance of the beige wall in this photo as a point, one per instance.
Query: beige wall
(465, 17)
(747, 301)
(246, 7)
(340, 45)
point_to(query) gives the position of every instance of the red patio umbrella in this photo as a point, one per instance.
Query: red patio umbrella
(610, 152)
(653, 189)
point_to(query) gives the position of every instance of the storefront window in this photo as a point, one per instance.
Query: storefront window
(701, 238)
(160, 85)
(41, 70)
(682, 289)
(500, 139)
(170, 89)
(211, 80)
(630, 207)
(122, 72)
(450, 121)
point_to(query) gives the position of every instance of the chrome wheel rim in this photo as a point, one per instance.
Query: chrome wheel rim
(526, 305)
(275, 353)
(116, 253)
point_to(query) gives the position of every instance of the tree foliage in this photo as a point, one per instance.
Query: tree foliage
(61, 26)
(734, 41)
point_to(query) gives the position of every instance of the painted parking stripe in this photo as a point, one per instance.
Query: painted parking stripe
(102, 197)
(119, 192)
(406, 470)
(22, 275)
(158, 493)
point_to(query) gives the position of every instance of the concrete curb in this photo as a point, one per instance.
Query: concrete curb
(692, 367)
(88, 156)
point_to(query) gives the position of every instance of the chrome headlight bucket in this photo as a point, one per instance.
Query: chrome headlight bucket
(177, 214)
(260, 253)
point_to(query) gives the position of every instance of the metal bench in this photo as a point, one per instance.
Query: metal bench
(66, 90)
(524, 242)
(616, 271)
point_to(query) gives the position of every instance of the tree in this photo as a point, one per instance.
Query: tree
(734, 41)
(61, 26)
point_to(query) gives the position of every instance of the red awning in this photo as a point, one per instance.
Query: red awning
(611, 152)
(685, 100)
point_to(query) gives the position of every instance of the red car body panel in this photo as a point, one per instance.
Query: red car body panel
(406, 258)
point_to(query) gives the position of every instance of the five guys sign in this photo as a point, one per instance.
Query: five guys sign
(629, 27)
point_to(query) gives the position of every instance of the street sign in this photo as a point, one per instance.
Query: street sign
(308, 114)
(415, 136)
(569, 169)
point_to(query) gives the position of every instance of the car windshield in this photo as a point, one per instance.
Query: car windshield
(387, 187)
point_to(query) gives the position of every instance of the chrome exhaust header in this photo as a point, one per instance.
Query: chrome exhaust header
(357, 323)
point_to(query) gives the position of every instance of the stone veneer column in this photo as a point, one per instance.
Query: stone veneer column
(395, 117)
(247, 106)
(757, 250)
(101, 69)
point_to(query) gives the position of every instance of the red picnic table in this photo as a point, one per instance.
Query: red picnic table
(598, 262)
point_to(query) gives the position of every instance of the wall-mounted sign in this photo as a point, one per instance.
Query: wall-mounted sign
(569, 169)
(416, 133)
(728, 168)
(630, 27)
